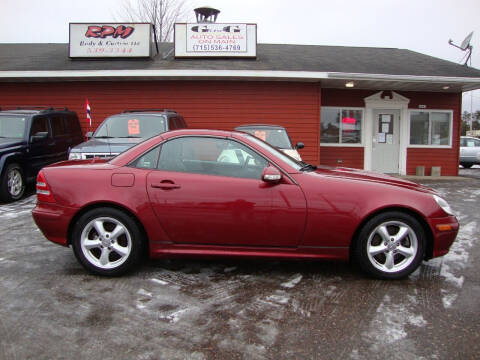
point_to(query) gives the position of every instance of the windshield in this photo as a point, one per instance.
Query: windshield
(277, 153)
(12, 126)
(274, 136)
(131, 125)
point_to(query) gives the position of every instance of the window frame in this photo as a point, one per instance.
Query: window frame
(430, 146)
(339, 144)
(161, 144)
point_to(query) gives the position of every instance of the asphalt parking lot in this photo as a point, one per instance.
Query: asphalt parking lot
(50, 308)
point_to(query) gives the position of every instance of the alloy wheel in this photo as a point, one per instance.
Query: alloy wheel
(392, 246)
(106, 243)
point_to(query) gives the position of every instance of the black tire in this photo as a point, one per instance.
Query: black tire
(106, 254)
(13, 183)
(398, 256)
(466, 165)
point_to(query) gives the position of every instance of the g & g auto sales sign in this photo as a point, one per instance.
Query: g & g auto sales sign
(215, 40)
(110, 40)
(216, 37)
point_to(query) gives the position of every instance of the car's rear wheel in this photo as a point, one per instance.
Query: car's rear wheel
(466, 165)
(13, 183)
(107, 241)
(391, 245)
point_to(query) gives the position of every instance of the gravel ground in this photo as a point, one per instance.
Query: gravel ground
(50, 308)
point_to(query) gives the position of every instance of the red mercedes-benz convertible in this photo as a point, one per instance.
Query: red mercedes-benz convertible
(211, 192)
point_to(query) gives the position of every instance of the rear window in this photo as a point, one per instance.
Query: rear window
(12, 126)
(132, 125)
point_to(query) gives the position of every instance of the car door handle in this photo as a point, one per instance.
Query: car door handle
(165, 185)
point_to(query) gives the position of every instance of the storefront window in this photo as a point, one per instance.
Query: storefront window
(341, 126)
(440, 133)
(430, 128)
(330, 125)
(419, 128)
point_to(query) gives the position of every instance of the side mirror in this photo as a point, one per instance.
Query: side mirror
(271, 175)
(299, 145)
(89, 135)
(41, 135)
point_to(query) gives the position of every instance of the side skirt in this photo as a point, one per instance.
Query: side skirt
(169, 250)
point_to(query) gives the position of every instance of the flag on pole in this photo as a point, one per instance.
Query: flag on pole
(89, 116)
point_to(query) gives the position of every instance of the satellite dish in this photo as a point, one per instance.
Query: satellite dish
(465, 46)
(466, 42)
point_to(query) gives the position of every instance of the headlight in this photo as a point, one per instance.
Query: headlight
(75, 156)
(443, 204)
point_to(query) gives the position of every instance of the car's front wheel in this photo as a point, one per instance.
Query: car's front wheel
(107, 241)
(466, 165)
(391, 245)
(13, 183)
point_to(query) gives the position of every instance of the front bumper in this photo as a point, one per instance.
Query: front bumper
(444, 230)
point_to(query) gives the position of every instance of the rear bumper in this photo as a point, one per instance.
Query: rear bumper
(53, 221)
(443, 237)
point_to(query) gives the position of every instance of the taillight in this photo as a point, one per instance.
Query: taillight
(43, 190)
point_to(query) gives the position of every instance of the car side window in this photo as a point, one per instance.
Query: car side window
(58, 126)
(172, 123)
(147, 160)
(73, 125)
(472, 143)
(211, 156)
(39, 125)
(181, 123)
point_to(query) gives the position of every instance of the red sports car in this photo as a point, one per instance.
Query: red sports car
(210, 192)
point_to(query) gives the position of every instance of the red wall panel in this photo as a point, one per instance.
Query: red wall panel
(351, 157)
(203, 104)
(446, 158)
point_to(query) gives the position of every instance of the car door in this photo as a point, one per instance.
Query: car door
(60, 136)
(201, 200)
(41, 150)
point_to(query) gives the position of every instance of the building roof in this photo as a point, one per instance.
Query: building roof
(379, 68)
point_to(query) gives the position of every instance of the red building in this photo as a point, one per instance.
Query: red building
(387, 110)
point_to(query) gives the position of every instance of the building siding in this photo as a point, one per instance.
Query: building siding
(351, 157)
(227, 104)
(204, 104)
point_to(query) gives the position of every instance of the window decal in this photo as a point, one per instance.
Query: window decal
(133, 127)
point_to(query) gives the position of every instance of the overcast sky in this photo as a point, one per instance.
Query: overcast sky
(420, 25)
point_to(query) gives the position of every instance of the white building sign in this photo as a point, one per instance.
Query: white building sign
(110, 40)
(215, 40)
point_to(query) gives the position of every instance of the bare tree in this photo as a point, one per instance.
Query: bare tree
(162, 13)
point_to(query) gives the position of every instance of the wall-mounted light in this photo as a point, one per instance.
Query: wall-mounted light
(446, 87)
(349, 84)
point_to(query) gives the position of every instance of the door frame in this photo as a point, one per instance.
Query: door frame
(393, 102)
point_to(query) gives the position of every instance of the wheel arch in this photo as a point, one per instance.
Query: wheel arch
(416, 215)
(13, 158)
(113, 206)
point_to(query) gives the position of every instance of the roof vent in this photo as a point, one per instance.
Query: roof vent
(206, 14)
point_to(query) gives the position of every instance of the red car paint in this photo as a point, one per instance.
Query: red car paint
(313, 214)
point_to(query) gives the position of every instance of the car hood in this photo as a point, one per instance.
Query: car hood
(9, 142)
(362, 175)
(108, 146)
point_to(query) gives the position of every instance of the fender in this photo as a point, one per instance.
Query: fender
(11, 158)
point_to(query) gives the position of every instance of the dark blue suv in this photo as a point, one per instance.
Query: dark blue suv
(31, 138)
